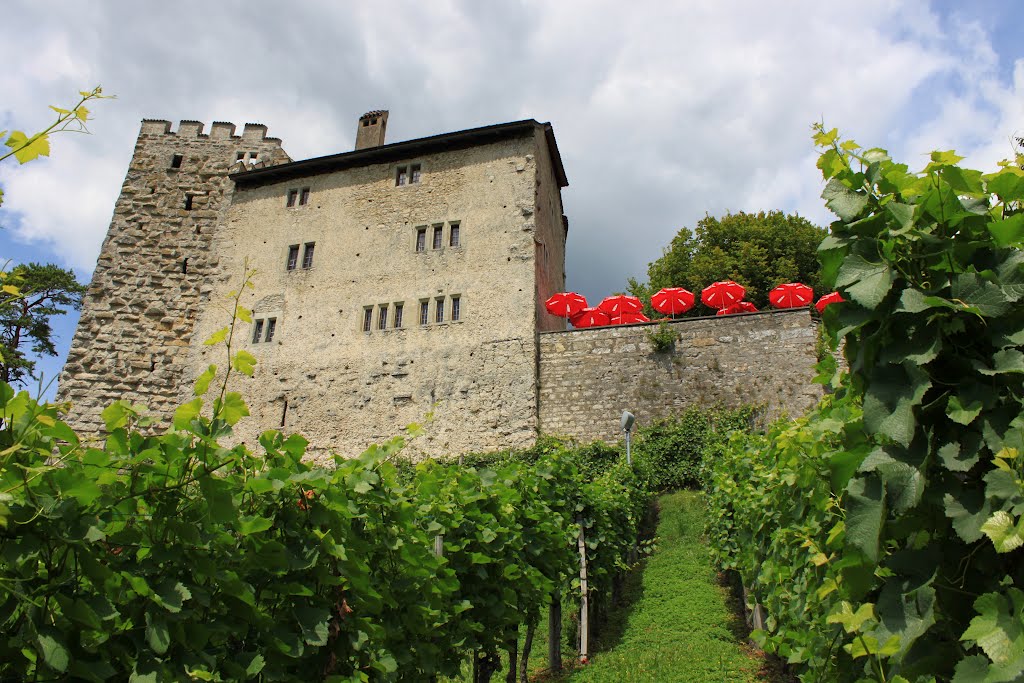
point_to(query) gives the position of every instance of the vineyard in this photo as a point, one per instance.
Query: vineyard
(879, 538)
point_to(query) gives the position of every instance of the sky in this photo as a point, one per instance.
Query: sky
(663, 111)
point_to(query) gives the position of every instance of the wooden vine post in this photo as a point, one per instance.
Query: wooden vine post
(555, 632)
(584, 600)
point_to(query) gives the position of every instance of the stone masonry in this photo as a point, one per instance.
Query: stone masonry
(588, 377)
(138, 315)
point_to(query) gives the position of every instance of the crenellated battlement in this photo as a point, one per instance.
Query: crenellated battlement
(219, 130)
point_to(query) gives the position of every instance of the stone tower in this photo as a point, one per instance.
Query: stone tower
(138, 315)
(371, 129)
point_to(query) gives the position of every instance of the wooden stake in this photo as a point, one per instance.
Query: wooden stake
(584, 600)
(555, 632)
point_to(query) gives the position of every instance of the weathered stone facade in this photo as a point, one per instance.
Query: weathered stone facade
(588, 377)
(138, 315)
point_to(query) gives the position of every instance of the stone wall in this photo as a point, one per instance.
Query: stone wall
(588, 377)
(138, 315)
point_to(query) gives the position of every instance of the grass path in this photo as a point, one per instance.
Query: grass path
(680, 626)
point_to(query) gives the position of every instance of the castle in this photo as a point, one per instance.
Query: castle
(392, 282)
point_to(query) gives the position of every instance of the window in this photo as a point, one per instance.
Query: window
(239, 156)
(304, 197)
(293, 256)
(456, 308)
(453, 235)
(438, 231)
(439, 310)
(307, 255)
(188, 202)
(382, 317)
(176, 161)
(421, 239)
(257, 332)
(292, 196)
(408, 175)
(398, 315)
(424, 307)
(367, 318)
(271, 326)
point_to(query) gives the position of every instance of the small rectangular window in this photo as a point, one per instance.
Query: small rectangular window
(293, 256)
(421, 239)
(188, 202)
(438, 232)
(382, 317)
(257, 332)
(176, 161)
(414, 173)
(453, 235)
(292, 196)
(239, 156)
(253, 155)
(424, 308)
(439, 310)
(398, 315)
(307, 255)
(456, 308)
(304, 197)
(367, 319)
(271, 326)
(400, 176)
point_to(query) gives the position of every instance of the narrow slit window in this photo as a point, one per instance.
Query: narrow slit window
(439, 310)
(293, 195)
(188, 202)
(271, 327)
(176, 160)
(257, 332)
(453, 236)
(438, 232)
(284, 412)
(421, 239)
(398, 315)
(382, 318)
(304, 197)
(293, 257)
(307, 255)
(456, 308)
(367, 319)
(184, 266)
(414, 174)
(424, 308)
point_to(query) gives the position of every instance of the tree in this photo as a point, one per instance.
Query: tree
(759, 251)
(45, 291)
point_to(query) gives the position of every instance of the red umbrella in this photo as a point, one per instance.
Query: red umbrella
(791, 295)
(833, 298)
(619, 304)
(590, 317)
(722, 294)
(672, 300)
(565, 304)
(629, 318)
(738, 307)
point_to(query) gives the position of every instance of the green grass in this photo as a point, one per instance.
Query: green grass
(681, 625)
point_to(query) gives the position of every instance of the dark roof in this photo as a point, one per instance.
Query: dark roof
(404, 150)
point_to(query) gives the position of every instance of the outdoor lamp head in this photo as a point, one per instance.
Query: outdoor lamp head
(627, 420)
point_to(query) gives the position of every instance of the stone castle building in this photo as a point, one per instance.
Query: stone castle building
(392, 282)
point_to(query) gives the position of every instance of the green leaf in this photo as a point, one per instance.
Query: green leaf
(998, 629)
(865, 282)
(171, 595)
(968, 511)
(26, 149)
(52, 648)
(1008, 232)
(187, 412)
(156, 634)
(960, 413)
(314, 623)
(255, 665)
(986, 297)
(244, 362)
(233, 408)
(253, 524)
(889, 403)
(843, 201)
(1004, 532)
(1006, 361)
(903, 214)
(217, 337)
(851, 621)
(203, 382)
(865, 515)
(949, 157)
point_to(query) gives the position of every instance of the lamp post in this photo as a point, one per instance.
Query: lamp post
(627, 425)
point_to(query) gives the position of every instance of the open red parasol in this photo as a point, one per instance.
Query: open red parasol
(630, 318)
(565, 304)
(722, 294)
(791, 295)
(616, 305)
(590, 317)
(833, 298)
(672, 300)
(738, 307)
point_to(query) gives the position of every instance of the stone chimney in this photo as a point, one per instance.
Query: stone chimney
(370, 132)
